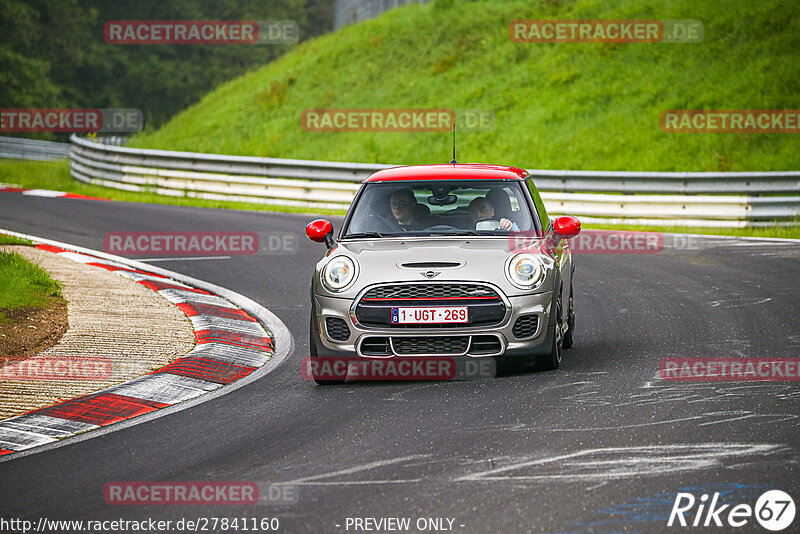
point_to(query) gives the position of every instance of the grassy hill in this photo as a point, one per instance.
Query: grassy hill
(564, 106)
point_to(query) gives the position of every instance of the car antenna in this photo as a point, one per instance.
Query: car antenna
(454, 144)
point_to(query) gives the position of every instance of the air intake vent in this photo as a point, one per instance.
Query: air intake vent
(337, 329)
(485, 345)
(432, 265)
(430, 345)
(376, 346)
(525, 326)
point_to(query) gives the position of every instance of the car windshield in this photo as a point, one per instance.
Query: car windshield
(439, 207)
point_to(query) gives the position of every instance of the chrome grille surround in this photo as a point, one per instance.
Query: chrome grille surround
(454, 345)
(434, 290)
(419, 290)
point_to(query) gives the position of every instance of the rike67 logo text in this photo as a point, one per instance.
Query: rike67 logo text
(774, 510)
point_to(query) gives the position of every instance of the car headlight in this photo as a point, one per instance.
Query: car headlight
(525, 271)
(338, 273)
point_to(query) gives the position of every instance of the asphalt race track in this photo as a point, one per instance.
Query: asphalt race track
(601, 445)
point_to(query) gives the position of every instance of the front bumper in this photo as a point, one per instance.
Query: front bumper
(460, 341)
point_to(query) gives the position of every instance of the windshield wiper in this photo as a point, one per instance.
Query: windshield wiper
(364, 234)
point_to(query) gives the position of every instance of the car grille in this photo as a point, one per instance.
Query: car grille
(525, 326)
(430, 291)
(486, 308)
(477, 345)
(431, 345)
(337, 329)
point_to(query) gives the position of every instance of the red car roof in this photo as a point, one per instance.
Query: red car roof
(448, 171)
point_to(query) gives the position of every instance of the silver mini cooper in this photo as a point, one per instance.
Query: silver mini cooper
(453, 260)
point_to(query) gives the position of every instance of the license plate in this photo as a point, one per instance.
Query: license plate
(430, 315)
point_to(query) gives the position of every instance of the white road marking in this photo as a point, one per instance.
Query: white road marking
(737, 303)
(19, 440)
(138, 277)
(164, 387)
(227, 324)
(46, 425)
(184, 258)
(356, 469)
(84, 258)
(43, 193)
(179, 296)
(230, 353)
(739, 415)
(355, 482)
(623, 462)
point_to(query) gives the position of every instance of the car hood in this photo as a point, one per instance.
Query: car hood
(480, 259)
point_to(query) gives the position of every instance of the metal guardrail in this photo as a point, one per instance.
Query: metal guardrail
(664, 198)
(21, 148)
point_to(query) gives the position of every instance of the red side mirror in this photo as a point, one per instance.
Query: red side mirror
(320, 231)
(567, 227)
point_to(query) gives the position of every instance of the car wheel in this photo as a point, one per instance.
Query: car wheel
(552, 361)
(569, 338)
(313, 336)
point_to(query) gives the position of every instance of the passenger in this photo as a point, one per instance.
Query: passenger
(481, 209)
(406, 210)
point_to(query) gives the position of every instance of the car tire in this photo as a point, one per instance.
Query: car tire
(552, 361)
(569, 336)
(313, 336)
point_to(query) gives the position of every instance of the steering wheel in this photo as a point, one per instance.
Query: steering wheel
(488, 224)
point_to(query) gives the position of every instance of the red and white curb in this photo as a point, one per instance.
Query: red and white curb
(231, 344)
(45, 193)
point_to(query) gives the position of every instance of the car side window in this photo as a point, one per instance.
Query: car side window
(537, 200)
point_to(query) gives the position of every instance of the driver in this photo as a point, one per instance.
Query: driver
(404, 209)
(481, 209)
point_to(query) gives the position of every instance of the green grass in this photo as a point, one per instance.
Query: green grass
(13, 240)
(557, 106)
(23, 284)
